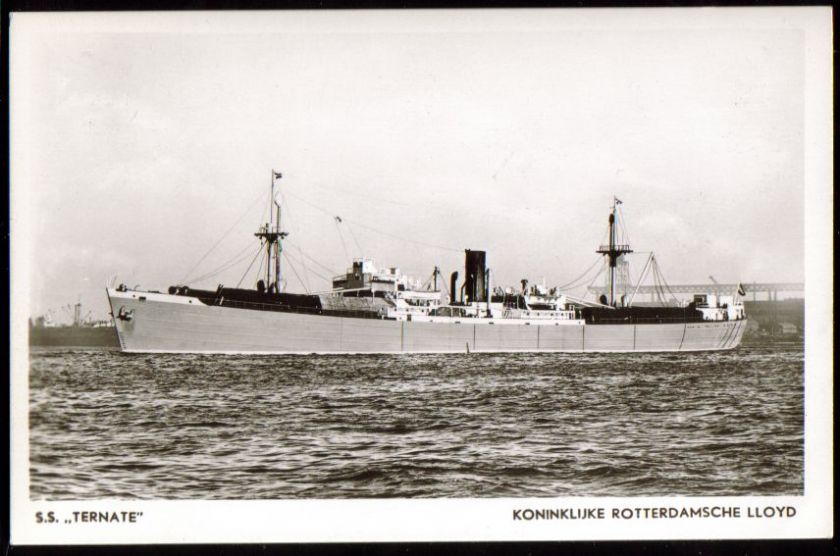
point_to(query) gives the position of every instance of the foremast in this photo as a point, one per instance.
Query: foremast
(273, 237)
(613, 251)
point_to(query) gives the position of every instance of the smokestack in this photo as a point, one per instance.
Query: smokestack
(476, 270)
(524, 285)
(453, 292)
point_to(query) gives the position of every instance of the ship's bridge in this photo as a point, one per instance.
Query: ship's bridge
(364, 275)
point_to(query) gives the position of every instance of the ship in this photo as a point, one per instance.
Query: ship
(85, 331)
(380, 310)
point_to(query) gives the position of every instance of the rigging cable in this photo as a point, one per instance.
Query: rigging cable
(303, 254)
(305, 271)
(357, 195)
(287, 214)
(605, 239)
(406, 240)
(662, 285)
(242, 255)
(665, 283)
(573, 284)
(427, 285)
(289, 261)
(262, 261)
(254, 202)
(594, 278)
(375, 230)
(657, 286)
(319, 275)
(259, 252)
(233, 262)
(625, 237)
(337, 221)
(356, 241)
(630, 270)
(641, 277)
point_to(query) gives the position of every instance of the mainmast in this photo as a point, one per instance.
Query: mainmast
(613, 251)
(273, 237)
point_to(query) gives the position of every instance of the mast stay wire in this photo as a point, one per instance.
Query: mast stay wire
(236, 259)
(356, 241)
(318, 274)
(605, 239)
(305, 272)
(224, 235)
(625, 240)
(337, 220)
(628, 255)
(662, 286)
(595, 278)
(639, 281)
(303, 254)
(321, 185)
(394, 236)
(427, 285)
(289, 261)
(574, 283)
(242, 255)
(630, 268)
(259, 252)
(300, 251)
(372, 229)
(287, 216)
(625, 237)
(664, 282)
(658, 282)
(262, 261)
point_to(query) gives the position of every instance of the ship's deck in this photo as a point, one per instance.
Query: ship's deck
(237, 298)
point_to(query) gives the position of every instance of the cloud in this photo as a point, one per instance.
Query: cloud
(149, 146)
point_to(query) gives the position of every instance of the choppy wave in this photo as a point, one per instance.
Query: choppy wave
(106, 424)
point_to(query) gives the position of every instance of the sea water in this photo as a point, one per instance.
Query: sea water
(104, 424)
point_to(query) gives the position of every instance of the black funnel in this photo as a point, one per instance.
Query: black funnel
(476, 276)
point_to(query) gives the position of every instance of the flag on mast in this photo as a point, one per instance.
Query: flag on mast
(278, 175)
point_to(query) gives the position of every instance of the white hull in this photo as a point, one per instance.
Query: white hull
(162, 323)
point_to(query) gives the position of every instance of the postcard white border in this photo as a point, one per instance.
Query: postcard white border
(446, 519)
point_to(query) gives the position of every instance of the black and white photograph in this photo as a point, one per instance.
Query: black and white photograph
(421, 275)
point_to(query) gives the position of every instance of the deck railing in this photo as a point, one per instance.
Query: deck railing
(623, 247)
(255, 306)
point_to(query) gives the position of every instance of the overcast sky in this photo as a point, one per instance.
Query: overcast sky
(426, 133)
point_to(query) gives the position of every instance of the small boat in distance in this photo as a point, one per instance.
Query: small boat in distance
(380, 310)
